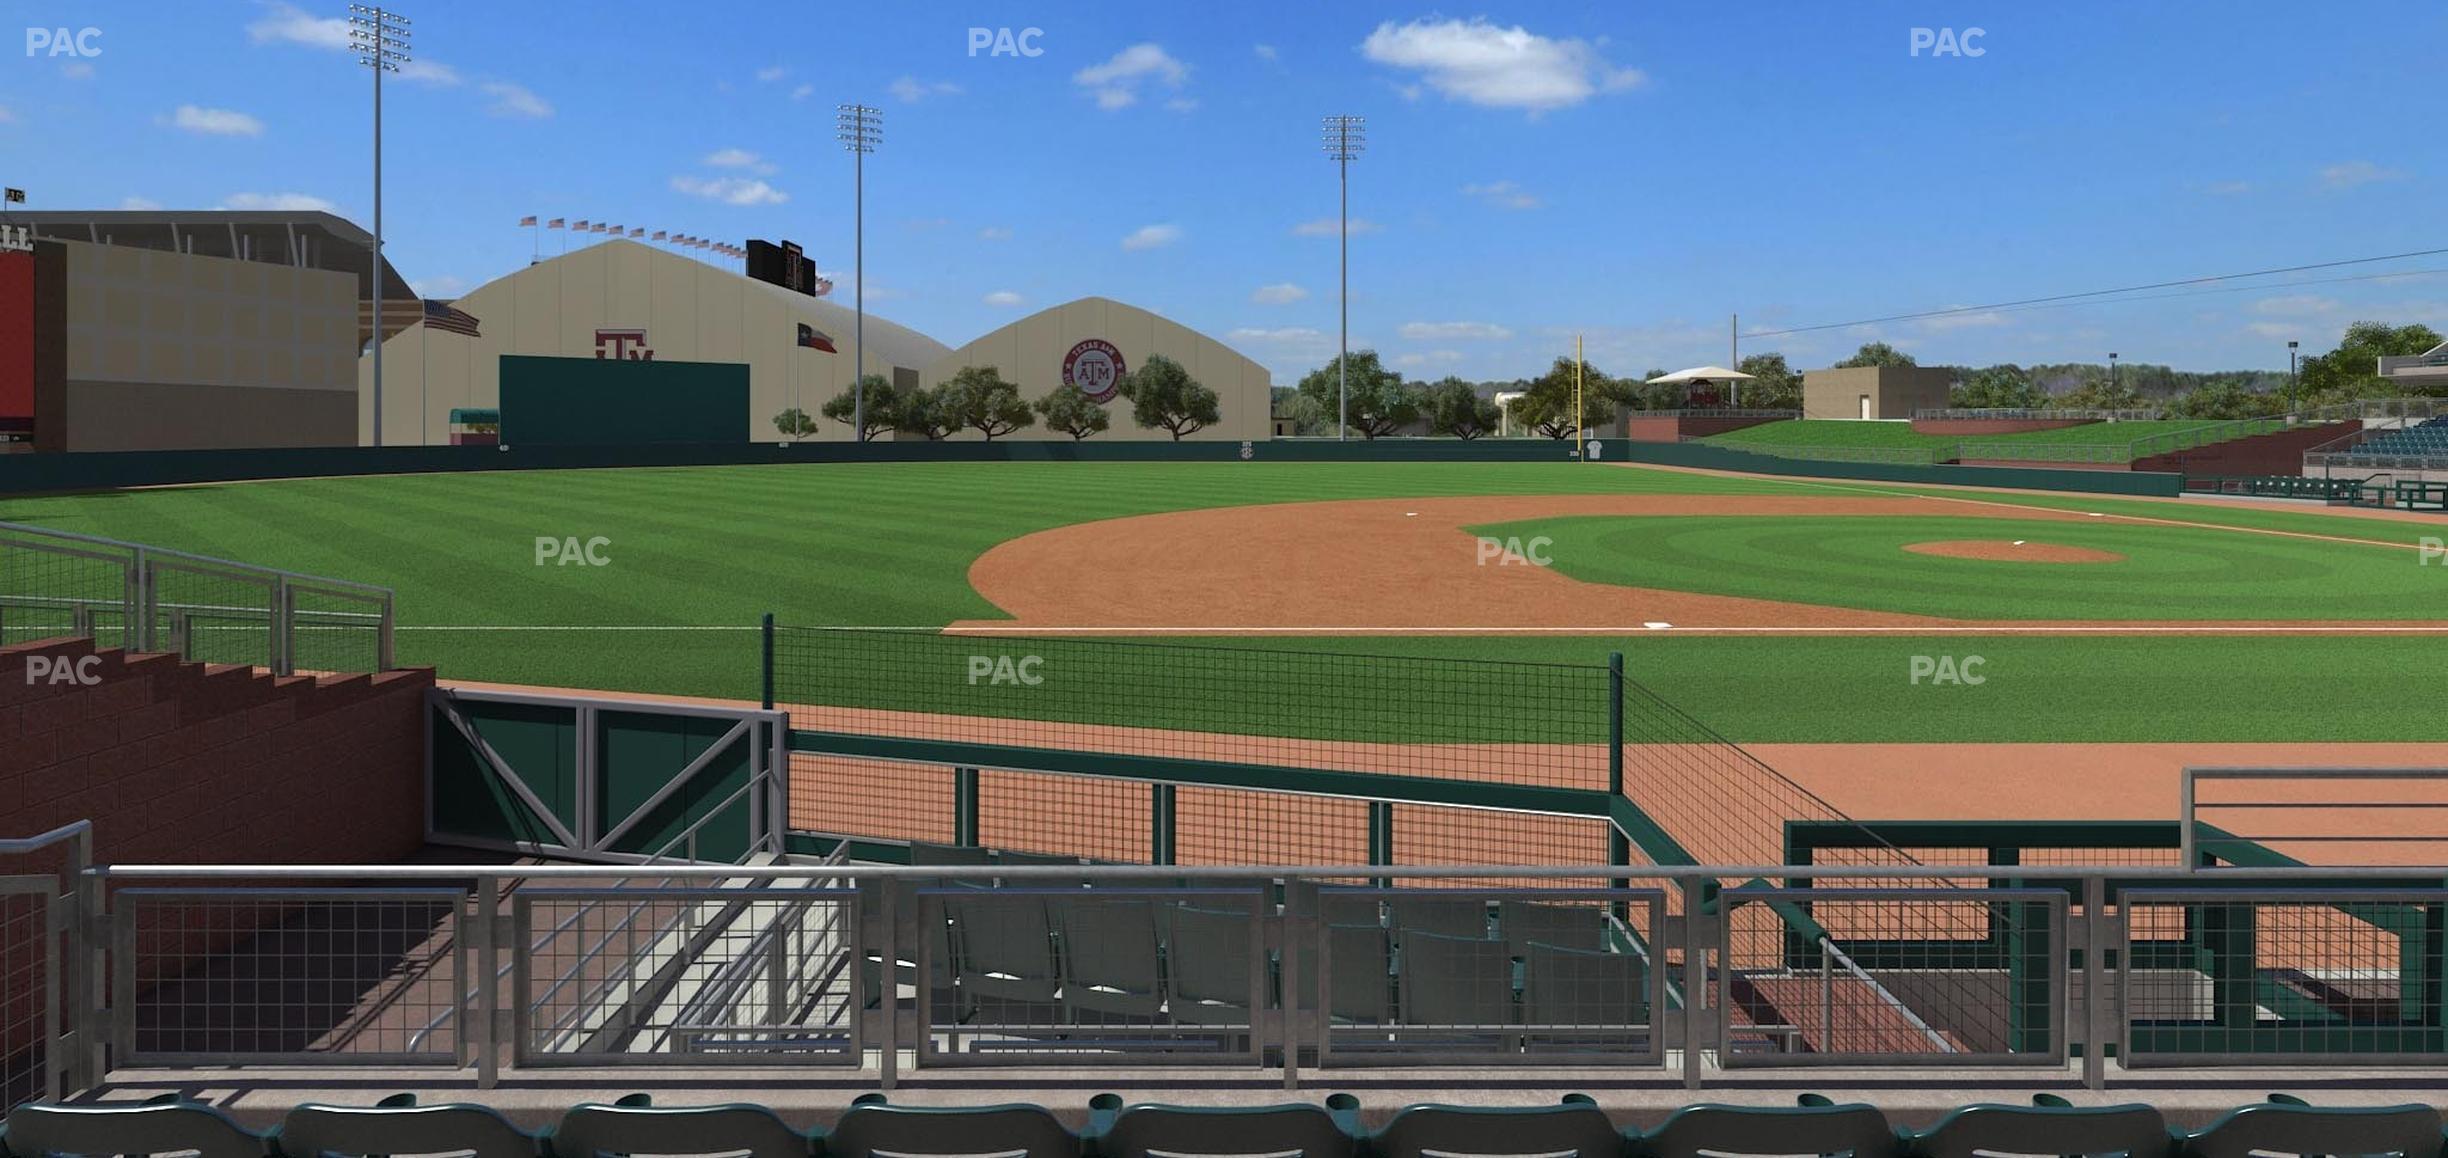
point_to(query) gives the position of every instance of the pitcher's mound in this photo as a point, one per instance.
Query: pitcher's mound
(2013, 552)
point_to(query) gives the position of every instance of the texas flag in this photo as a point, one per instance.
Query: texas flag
(813, 337)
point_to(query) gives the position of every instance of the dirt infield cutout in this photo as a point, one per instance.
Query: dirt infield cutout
(2012, 551)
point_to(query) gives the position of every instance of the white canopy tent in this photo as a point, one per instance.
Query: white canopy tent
(1706, 375)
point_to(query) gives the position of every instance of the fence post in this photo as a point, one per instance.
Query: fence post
(1695, 978)
(1160, 824)
(768, 661)
(488, 983)
(964, 806)
(1619, 846)
(282, 644)
(2095, 983)
(1381, 837)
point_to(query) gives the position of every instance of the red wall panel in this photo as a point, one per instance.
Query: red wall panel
(16, 339)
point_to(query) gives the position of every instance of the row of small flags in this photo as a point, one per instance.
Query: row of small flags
(681, 239)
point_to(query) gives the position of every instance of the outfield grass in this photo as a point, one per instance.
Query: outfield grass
(717, 547)
(2168, 573)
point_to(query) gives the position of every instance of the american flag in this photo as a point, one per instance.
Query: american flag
(555, 223)
(659, 235)
(527, 220)
(600, 227)
(449, 319)
(637, 231)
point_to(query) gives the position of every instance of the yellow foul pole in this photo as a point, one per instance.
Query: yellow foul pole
(1579, 413)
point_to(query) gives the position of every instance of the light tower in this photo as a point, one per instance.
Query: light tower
(381, 39)
(861, 128)
(1345, 138)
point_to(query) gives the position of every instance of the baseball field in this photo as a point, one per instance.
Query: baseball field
(1776, 610)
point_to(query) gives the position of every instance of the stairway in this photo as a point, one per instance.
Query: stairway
(2276, 453)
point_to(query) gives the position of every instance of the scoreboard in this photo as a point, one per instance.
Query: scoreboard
(784, 265)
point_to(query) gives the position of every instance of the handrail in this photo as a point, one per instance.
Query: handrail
(158, 552)
(1068, 872)
(21, 845)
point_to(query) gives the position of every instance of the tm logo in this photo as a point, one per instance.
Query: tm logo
(1005, 42)
(63, 42)
(1947, 670)
(44, 669)
(1948, 42)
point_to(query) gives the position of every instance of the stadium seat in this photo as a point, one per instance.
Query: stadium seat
(2282, 1128)
(1109, 958)
(1361, 986)
(635, 1126)
(1454, 981)
(1007, 950)
(1207, 965)
(1564, 926)
(1580, 987)
(1157, 1131)
(872, 1129)
(1444, 918)
(164, 1127)
(1576, 1129)
(398, 1126)
(1821, 1128)
(2134, 1130)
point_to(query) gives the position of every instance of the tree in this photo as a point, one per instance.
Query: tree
(2004, 386)
(795, 423)
(2226, 399)
(1877, 354)
(883, 407)
(1164, 396)
(1456, 409)
(1546, 405)
(1073, 413)
(2352, 370)
(977, 397)
(1302, 411)
(1777, 386)
(1380, 401)
(926, 412)
(2104, 392)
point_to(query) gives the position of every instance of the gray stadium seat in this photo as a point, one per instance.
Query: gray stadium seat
(1290, 1131)
(1857, 1130)
(1207, 963)
(313, 1129)
(2276, 1128)
(870, 1129)
(1455, 981)
(1109, 958)
(596, 1129)
(2135, 1130)
(1577, 987)
(1578, 1129)
(1566, 926)
(1361, 987)
(1460, 917)
(1006, 947)
(153, 1128)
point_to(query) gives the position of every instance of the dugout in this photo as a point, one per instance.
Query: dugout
(606, 402)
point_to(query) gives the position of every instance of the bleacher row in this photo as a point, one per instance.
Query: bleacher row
(871, 1128)
(2425, 439)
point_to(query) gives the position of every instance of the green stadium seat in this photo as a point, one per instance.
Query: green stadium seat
(1455, 918)
(1207, 966)
(1582, 987)
(1454, 981)
(1576, 1129)
(1564, 926)
(1361, 987)
(2134, 1130)
(165, 1127)
(1823, 1128)
(1155, 1131)
(872, 1129)
(2282, 1128)
(1006, 948)
(634, 1126)
(401, 1127)
(1110, 964)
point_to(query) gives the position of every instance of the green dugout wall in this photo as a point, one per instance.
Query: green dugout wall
(603, 402)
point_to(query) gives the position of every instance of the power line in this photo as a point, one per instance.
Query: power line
(2027, 302)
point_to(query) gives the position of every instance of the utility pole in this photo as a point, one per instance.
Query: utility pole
(860, 129)
(1580, 412)
(381, 40)
(2294, 387)
(1734, 360)
(1345, 138)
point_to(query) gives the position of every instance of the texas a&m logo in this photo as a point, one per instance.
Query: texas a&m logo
(623, 346)
(1094, 368)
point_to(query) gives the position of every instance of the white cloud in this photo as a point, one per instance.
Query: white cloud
(1282, 293)
(510, 100)
(439, 287)
(737, 158)
(138, 203)
(995, 233)
(1288, 335)
(2348, 174)
(216, 122)
(287, 23)
(2275, 329)
(1116, 82)
(771, 73)
(910, 90)
(1486, 64)
(1455, 331)
(1004, 299)
(279, 202)
(432, 72)
(1325, 227)
(1429, 358)
(2295, 306)
(1962, 320)
(803, 92)
(1265, 52)
(730, 190)
(1502, 194)
(1152, 237)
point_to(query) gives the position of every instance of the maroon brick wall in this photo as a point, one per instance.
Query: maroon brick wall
(2277, 453)
(1670, 428)
(1994, 425)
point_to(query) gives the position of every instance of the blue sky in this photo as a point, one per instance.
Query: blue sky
(1635, 172)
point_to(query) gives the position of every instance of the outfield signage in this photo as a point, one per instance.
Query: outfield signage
(1094, 368)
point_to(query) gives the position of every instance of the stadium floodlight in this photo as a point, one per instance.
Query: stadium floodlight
(861, 129)
(380, 37)
(1346, 136)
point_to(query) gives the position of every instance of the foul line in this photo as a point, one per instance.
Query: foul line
(1595, 629)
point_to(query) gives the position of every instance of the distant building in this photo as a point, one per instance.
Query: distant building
(2418, 373)
(1874, 392)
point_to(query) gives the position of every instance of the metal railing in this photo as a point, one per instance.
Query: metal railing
(1938, 413)
(1291, 967)
(1893, 455)
(49, 970)
(150, 599)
